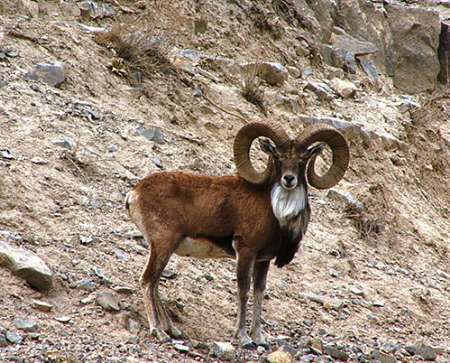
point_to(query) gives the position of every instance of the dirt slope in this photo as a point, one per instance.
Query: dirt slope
(363, 279)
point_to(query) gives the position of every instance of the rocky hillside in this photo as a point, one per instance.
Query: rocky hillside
(95, 95)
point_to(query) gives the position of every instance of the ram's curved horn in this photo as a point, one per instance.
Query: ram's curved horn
(339, 147)
(243, 142)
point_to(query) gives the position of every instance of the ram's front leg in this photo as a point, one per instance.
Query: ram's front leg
(245, 262)
(259, 285)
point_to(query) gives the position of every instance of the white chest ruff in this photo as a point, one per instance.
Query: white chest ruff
(287, 205)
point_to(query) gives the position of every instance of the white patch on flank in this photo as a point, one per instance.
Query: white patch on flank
(287, 204)
(200, 248)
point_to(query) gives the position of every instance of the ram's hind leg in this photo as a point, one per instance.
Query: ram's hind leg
(162, 247)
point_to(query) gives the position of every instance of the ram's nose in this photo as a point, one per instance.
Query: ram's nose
(289, 181)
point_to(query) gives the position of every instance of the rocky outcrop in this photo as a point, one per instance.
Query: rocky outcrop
(415, 35)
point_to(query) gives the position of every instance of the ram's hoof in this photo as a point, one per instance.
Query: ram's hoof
(160, 335)
(250, 346)
(264, 345)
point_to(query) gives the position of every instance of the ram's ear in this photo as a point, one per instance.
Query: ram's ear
(315, 149)
(268, 147)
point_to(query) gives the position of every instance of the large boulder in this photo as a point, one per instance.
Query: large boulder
(415, 34)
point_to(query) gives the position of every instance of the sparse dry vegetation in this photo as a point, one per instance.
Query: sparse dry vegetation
(141, 55)
(251, 87)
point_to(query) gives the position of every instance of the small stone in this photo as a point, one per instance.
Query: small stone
(108, 301)
(356, 291)
(280, 356)
(169, 274)
(322, 91)
(336, 352)
(39, 161)
(382, 357)
(333, 304)
(307, 71)
(334, 273)
(88, 300)
(63, 319)
(378, 304)
(293, 71)
(121, 255)
(133, 326)
(158, 163)
(260, 350)
(113, 148)
(86, 240)
(222, 350)
(52, 74)
(208, 277)
(343, 88)
(85, 284)
(64, 142)
(6, 154)
(13, 337)
(26, 325)
(41, 305)
(426, 352)
(316, 346)
(181, 348)
(152, 133)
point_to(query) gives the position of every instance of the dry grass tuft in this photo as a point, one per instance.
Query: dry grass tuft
(251, 87)
(372, 220)
(139, 54)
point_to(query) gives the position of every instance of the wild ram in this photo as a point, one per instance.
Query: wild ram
(253, 217)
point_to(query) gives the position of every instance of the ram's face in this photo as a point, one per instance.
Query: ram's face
(290, 161)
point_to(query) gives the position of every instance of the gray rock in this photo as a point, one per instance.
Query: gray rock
(169, 274)
(64, 142)
(158, 163)
(13, 337)
(52, 74)
(382, 357)
(133, 326)
(152, 133)
(63, 319)
(352, 45)
(274, 74)
(85, 284)
(223, 350)
(352, 129)
(415, 33)
(27, 265)
(121, 255)
(181, 348)
(369, 67)
(26, 325)
(108, 301)
(343, 88)
(96, 10)
(41, 305)
(336, 352)
(345, 197)
(426, 352)
(322, 90)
